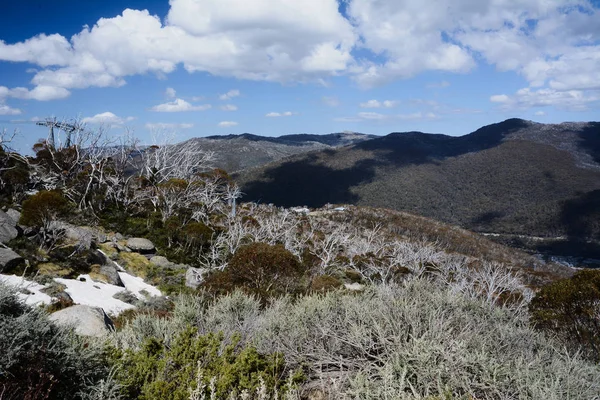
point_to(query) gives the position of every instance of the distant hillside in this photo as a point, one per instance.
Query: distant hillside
(515, 177)
(239, 152)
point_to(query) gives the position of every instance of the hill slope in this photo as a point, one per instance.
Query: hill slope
(239, 152)
(515, 177)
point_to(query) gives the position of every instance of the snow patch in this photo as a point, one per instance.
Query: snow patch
(95, 294)
(136, 285)
(29, 291)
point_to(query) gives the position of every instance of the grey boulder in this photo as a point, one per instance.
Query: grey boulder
(9, 259)
(14, 215)
(87, 320)
(140, 245)
(8, 230)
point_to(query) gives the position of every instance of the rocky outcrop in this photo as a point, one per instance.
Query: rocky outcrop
(14, 214)
(8, 228)
(194, 277)
(140, 245)
(87, 321)
(9, 259)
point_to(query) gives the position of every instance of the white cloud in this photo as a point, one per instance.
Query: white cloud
(166, 126)
(229, 107)
(179, 105)
(227, 124)
(571, 100)
(552, 44)
(6, 110)
(107, 118)
(229, 95)
(40, 93)
(378, 104)
(276, 114)
(499, 98)
(374, 116)
(330, 101)
(170, 93)
(540, 113)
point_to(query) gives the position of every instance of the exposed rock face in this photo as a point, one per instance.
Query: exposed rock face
(87, 321)
(83, 236)
(140, 245)
(194, 277)
(8, 230)
(9, 259)
(14, 214)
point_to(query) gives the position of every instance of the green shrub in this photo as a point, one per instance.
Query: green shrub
(39, 360)
(571, 309)
(260, 269)
(43, 207)
(170, 373)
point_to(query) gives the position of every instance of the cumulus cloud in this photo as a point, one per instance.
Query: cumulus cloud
(227, 124)
(229, 95)
(40, 93)
(179, 105)
(229, 107)
(552, 44)
(170, 93)
(276, 114)
(6, 110)
(107, 118)
(166, 126)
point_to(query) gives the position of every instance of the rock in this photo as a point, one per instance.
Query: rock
(111, 273)
(119, 237)
(8, 230)
(87, 321)
(14, 214)
(9, 259)
(161, 261)
(194, 277)
(140, 245)
(83, 236)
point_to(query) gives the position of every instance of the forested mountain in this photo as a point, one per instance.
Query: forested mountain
(515, 177)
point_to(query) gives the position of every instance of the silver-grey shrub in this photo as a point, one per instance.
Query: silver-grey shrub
(418, 340)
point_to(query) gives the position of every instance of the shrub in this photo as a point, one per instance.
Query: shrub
(261, 269)
(170, 373)
(44, 207)
(571, 308)
(325, 283)
(39, 360)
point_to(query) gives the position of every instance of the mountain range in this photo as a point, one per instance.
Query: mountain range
(517, 180)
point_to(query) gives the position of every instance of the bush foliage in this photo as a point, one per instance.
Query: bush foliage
(571, 309)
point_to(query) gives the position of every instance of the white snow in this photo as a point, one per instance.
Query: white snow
(136, 284)
(95, 294)
(36, 296)
(88, 292)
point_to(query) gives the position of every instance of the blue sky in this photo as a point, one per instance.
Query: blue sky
(274, 67)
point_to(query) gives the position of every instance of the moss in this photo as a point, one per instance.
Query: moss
(109, 250)
(136, 263)
(53, 270)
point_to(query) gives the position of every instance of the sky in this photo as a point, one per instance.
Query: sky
(273, 67)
